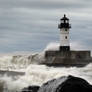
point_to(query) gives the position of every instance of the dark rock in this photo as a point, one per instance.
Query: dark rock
(31, 89)
(66, 84)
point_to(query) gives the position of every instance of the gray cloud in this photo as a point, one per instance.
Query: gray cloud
(29, 25)
(45, 4)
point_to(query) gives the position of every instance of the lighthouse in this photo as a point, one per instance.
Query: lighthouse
(64, 56)
(64, 27)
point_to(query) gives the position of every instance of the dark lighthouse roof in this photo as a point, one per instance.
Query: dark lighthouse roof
(64, 23)
(64, 18)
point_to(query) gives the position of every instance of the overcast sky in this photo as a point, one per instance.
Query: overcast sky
(30, 25)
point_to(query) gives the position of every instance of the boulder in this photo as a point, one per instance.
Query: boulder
(66, 84)
(31, 89)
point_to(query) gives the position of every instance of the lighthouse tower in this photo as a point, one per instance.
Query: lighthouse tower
(64, 27)
(64, 56)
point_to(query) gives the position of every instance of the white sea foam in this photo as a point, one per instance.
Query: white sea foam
(19, 62)
(39, 74)
(52, 46)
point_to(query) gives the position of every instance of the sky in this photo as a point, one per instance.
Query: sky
(30, 25)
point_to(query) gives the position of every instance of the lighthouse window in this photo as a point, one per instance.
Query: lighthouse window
(65, 37)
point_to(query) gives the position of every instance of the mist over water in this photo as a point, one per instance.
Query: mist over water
(35, 74)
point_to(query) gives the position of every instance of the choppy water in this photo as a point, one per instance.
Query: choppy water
(38, 74)
(34, 74)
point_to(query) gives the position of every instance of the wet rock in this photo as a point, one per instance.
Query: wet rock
(66, 84)
(31, 89)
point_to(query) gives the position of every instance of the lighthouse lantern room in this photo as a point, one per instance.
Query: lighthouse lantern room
(64, 27)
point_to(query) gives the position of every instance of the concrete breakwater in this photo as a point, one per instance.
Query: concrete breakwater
(68, 58)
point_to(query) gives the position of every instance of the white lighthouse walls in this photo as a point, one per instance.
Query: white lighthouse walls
(64, 27)
(64, 37)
